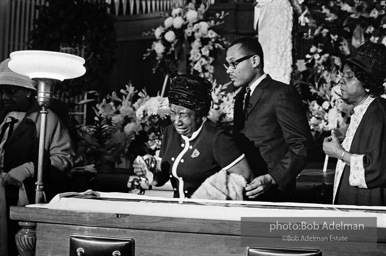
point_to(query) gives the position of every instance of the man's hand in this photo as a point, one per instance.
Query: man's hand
(10, 180)
(259, 185)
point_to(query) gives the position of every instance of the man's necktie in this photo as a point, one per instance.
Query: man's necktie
(246, 99)
(10, 124)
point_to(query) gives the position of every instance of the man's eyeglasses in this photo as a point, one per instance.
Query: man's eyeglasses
(233, 64)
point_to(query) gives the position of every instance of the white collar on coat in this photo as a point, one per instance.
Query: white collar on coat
(256, 83)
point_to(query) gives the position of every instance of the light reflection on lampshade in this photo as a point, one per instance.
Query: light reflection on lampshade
(47, 64)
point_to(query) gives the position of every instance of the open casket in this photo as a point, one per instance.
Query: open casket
(167, 226)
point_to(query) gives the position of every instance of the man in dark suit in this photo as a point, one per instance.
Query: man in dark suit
(272, 127)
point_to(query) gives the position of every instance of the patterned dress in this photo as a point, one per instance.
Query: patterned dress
(363, 182)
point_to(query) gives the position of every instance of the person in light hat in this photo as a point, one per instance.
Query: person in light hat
(360, 174)
(19, 147)
(193, 151)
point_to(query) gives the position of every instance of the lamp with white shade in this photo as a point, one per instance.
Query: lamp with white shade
(45, 67)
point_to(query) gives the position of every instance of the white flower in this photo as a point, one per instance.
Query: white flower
(374, 39)
(205, 51)
(116, 119)
(191, 16)
(214, 115)
(195, 56)
(158, 32)
(186, 26)
(168, 22)
(158, 47)
(198, 35)
(105, 109)
(196, 27)
(202, 61)
(131, 128)
(196, 44)
(178, 22)
(374, 13)
(170, 36)
(204, 26)
(212, 34)
(326, 105)
(198, 67)
(153, 106)
(369, 29)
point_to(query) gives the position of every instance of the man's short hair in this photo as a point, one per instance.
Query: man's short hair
(250, 46)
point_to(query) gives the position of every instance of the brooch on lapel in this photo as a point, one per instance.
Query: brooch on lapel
(195, 153)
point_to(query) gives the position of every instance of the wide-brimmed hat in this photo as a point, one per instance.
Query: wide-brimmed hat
(371, 58)
(8, 77)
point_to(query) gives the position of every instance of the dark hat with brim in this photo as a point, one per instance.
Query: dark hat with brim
(371, 58)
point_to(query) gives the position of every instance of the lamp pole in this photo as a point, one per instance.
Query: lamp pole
(45, 67)
(45, 88)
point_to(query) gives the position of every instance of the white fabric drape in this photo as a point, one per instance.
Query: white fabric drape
(273, 20)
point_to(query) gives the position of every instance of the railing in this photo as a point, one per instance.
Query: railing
(16, 21)
(136, 7)
(17, 17)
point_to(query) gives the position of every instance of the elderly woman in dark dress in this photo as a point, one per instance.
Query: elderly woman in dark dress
(360, 176)
(193, 149)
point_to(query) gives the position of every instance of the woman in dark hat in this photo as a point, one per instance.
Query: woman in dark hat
(192, 148)
(360, 175)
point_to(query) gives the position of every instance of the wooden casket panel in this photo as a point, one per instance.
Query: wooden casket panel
(54, 240)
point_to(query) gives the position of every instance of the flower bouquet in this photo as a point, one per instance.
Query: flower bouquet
(327, 111)
(115, 127)
(187, 31)
(153, 113)
(221, 111)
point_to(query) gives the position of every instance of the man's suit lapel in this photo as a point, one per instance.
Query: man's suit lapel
(31, 118)
(257, 93)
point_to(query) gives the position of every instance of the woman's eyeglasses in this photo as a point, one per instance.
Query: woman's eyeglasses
(233, 64)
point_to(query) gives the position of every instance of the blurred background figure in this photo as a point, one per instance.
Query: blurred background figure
(19, 147)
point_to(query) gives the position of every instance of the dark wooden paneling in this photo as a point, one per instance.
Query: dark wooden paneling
(55, 240)
(131, 46)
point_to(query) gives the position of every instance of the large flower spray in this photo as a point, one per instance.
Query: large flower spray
(187, 31)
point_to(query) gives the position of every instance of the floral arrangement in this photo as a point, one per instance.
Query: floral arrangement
(132, 125)
(115, 127)
(221, 111)
(329, 112)
(153, 113)
(334, 30)
(187, 31)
